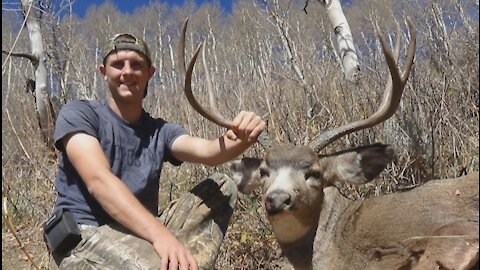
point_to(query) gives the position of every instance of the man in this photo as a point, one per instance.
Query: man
(111, 159)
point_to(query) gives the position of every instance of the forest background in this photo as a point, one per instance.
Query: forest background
(267, 56)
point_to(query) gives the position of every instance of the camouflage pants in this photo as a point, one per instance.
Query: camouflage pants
(199, 219)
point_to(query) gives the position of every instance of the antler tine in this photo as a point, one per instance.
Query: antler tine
(210, 115)
(392, 95)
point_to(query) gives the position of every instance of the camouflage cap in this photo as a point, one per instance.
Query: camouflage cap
(126, 41)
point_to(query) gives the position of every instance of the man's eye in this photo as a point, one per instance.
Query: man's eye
(137, 65)
(117, 65)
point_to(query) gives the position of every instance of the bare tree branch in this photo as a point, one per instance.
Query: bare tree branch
(30, 57)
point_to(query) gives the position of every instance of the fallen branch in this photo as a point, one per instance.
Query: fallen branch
(6, 218)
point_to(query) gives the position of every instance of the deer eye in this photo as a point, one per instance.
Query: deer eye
(264, 173)
(312, 174)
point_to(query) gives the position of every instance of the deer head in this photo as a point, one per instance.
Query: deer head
(293, 177)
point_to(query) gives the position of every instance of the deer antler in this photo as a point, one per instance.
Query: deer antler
(212, 115)
(186, 75)
(391, 97)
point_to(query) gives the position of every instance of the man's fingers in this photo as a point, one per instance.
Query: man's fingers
(256, 132)
(192, 262)
(164, 263)
(183, 260)
(174, 255)
(238, 119)
(173, 263)
(246, 120)
(254, 128)
(247, 125)
(231, 135)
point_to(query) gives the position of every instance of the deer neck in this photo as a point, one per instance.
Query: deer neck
(296, 237)
(335, 215)
(300, 252)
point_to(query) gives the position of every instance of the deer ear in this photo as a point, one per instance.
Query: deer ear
(246, 174)
(358, 165)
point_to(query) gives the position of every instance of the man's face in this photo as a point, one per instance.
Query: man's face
(127, 74)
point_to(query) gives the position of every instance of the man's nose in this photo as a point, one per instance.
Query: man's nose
(127, 68)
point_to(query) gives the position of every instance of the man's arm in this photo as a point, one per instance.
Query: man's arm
(86, 155)
(246, 127)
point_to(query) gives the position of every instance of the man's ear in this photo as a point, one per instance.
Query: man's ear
(102, 69)
(151, 71)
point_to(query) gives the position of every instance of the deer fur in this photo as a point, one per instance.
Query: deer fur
(433, 226)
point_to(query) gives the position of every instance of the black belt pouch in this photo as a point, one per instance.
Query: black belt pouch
(61, 232)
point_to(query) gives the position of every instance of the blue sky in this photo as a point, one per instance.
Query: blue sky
(126, 6)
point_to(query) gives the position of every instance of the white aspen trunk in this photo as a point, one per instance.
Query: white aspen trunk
(214, 45)
(261, 66)
(9, 76)
(42, 94)
(343, 42)
(215, 60)
(172, 59)
(161, 61)
(95, 85)
(159, 57)
(65, 78)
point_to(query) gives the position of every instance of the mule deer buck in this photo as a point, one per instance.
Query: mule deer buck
(433, 226)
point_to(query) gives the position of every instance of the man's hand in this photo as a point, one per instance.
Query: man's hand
(175, 255)
(245, 129)
(247, 126)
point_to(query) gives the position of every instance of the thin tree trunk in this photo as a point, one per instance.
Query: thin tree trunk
(42, 95)
(343, 42)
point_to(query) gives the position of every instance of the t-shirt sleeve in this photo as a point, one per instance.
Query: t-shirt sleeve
(76, 116)
(173, 131)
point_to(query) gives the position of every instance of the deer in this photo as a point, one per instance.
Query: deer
(431, 226)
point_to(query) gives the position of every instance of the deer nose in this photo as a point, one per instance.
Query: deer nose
(277, 201)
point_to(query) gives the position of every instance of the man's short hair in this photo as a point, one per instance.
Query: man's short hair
(129, 42)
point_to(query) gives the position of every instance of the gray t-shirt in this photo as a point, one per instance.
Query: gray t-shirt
(136, 153)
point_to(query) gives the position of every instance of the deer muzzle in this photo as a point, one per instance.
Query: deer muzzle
(277, 201)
